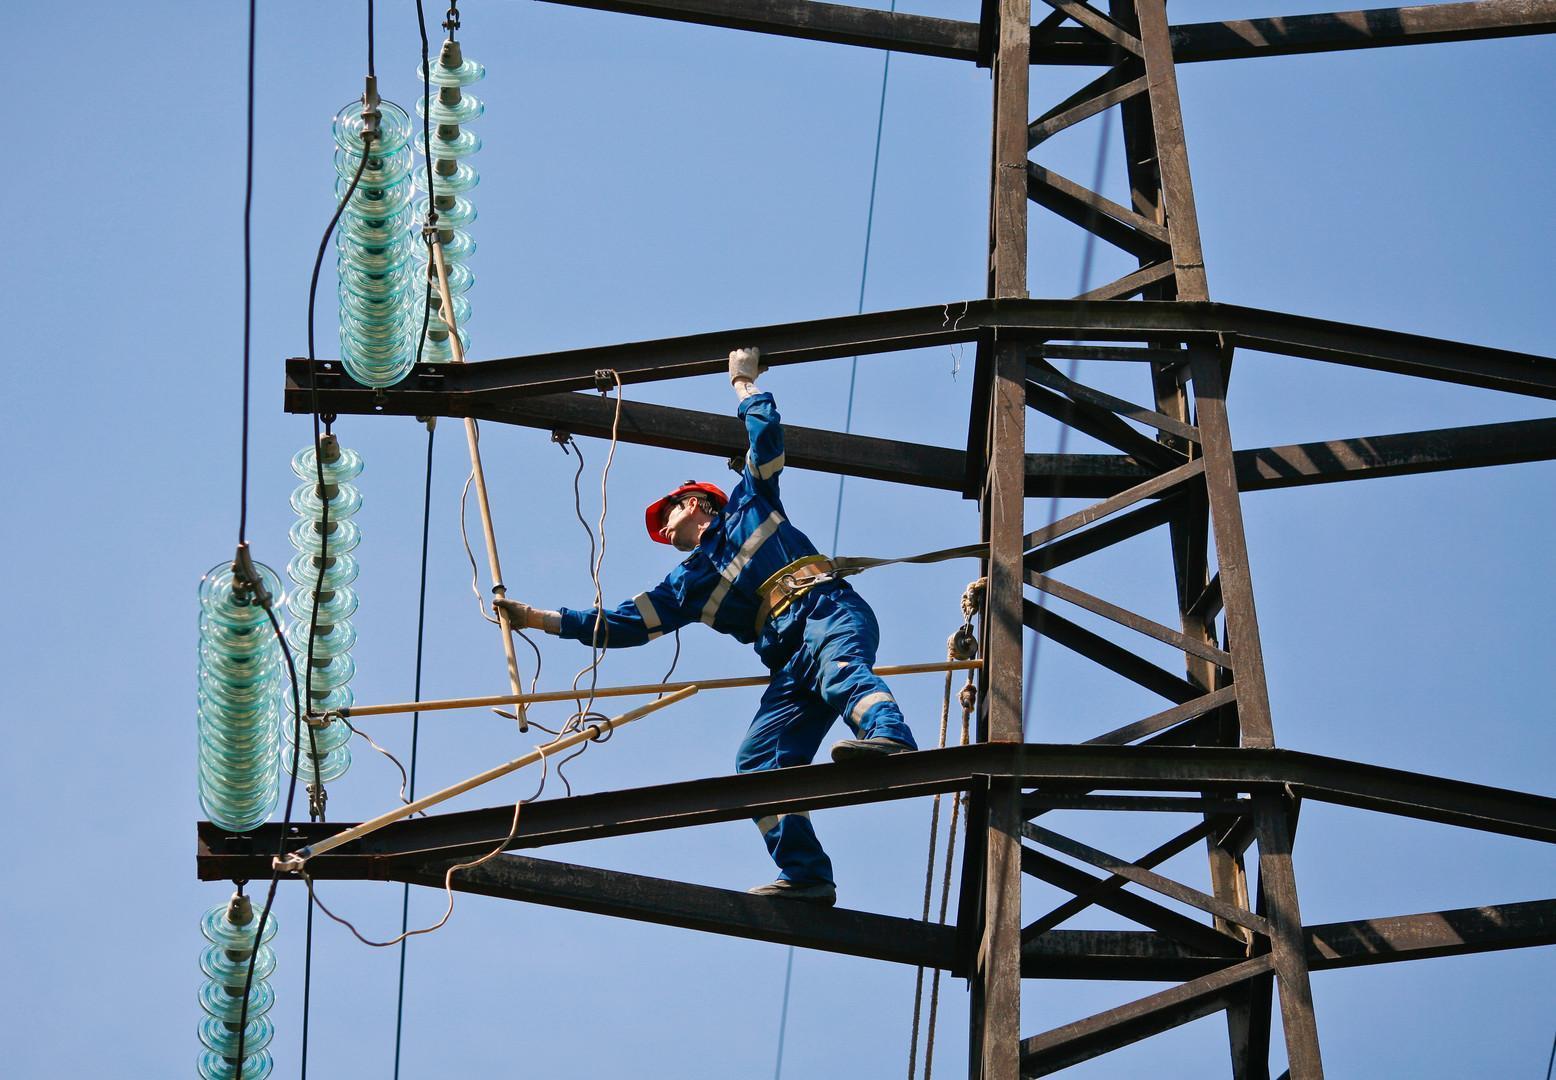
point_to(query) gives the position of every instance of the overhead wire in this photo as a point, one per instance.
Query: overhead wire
(848, 424)
(421, 628)
(315, 806)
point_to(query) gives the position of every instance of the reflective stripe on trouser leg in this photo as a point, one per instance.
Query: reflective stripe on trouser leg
(841, 635)
(787, 730)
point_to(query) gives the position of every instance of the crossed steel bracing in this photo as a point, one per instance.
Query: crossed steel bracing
(1209, 753)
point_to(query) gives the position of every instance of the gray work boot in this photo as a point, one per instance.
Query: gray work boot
(812, 892)
(878, 746)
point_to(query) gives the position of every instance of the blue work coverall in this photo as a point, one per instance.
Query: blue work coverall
(820, 649)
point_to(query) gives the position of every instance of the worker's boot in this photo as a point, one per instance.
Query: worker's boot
(877, 746)
(813, 892)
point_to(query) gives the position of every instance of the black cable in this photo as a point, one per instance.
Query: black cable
(248, 287)
(421, 625)
(291, 667)
(371, 73)
(307, 987)
(275, 873)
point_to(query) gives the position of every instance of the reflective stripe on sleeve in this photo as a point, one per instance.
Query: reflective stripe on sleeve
(866, 703)
(748, 549)
(767, 471)
(651, 621)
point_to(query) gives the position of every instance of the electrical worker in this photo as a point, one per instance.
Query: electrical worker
(751, 574)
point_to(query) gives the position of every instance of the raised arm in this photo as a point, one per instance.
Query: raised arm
(764, 431)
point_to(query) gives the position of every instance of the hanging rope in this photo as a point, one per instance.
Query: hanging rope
(962, 645)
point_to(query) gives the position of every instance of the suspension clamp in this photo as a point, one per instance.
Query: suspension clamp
(246, 579)
(604, 380)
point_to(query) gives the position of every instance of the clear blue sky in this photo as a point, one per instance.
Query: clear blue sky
(642, 179)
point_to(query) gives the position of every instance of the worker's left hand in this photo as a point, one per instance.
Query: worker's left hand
(745, 364)
(520, 615)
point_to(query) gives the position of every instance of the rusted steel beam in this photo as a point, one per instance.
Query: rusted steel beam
(694, 907)
(1288, 953)
(1045, 374)
(1114, 657)
(1144, 877)
(1191, 42)
(1438, 933)
(1367, 29)
(1223, 770)
(1188, 932)
(1141, 955)
(814, 21)
(722, 435)
(1167, 718)
(1085, 1039)
(1078, 475)
(1116, 85)
(1124, 617)
(1287, 35)
(1102, 425)
(433, 390)
(1114, 882)
(1404, 454)
(1097, 214)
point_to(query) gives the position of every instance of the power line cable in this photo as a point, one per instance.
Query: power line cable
(248, 287)
(421, 625)
(864, 273)
(426, 515)
(848, 424)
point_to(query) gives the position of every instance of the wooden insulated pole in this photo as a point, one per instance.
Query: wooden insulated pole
(357, 711)
(297, 859)
(472, 439)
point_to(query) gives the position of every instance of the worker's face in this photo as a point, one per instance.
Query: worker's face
(684, 524)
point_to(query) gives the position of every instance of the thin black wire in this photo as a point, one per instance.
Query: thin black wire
(370, 35)
(421, 626)
(307, 987)
(275, 874)
(1030, 681)
(248, 285)
(426, 509)
(1552, 1062)
(297, 712)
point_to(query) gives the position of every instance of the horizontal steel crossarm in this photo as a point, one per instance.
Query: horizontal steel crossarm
(695, 907)
(814, 21)
(1143, 955)
(431, 389)
(1191, 42)
(723, 435)
(1405, 454)
(1288, 35)
(1079, 475)
(729, 798)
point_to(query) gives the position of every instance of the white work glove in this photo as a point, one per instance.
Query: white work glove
(745, 364)
(523, 617)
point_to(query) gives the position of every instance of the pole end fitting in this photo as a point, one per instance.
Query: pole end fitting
(292, 863)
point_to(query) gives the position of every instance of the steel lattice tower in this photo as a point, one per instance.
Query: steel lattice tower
(1210, 753)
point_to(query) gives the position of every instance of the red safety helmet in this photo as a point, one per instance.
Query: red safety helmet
(654, 516)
